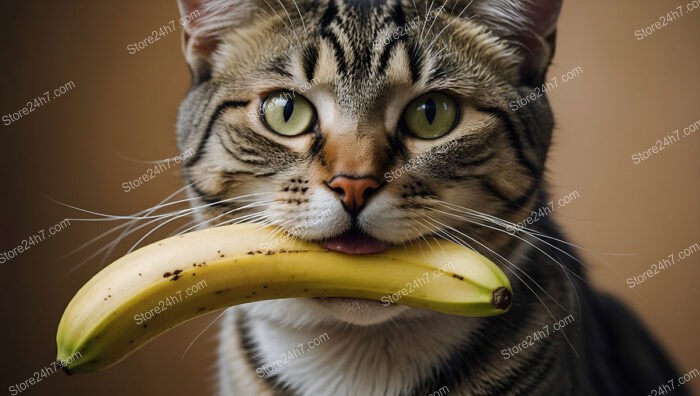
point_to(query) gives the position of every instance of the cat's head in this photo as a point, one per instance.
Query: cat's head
(361, 124)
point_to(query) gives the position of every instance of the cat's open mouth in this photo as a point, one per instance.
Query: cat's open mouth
(357, 310)
(355, 241)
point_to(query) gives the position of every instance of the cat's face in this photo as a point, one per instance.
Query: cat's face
(363, 125)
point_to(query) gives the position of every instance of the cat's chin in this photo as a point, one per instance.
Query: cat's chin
(359, 311)
(304, 313)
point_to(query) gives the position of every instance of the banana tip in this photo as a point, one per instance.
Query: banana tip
(63, 368)
(501, 298)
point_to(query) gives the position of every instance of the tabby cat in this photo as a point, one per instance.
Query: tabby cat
(376, 122)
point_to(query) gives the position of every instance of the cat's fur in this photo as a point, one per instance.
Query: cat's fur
(486, 54)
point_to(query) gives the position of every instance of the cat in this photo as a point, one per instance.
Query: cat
(374, 123)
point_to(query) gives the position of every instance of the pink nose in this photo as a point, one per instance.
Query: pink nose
(353, 191)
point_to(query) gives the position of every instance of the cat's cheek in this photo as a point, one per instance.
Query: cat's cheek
(389, 177)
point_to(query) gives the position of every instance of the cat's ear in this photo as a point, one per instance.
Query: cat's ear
(531, 24)
(204, 24)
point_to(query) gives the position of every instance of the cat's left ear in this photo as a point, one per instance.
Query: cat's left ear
(204, 24)
(531, 24)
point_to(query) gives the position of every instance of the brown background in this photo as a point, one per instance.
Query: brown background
(630, 94)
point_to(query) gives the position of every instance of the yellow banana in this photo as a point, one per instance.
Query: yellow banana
(159, 286)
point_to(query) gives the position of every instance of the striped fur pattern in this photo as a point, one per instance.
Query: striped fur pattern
(346, 57)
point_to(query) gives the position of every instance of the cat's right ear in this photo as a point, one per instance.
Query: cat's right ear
(529, 24)
(204, 24)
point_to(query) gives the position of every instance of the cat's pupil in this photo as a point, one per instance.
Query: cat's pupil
(430, 109)
(288, 110)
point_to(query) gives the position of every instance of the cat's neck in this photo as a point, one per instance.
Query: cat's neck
(378, 360)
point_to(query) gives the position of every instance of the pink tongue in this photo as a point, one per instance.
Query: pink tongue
(354, 242)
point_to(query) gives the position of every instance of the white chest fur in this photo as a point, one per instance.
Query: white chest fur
(386, 359)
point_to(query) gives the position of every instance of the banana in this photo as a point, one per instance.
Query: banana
(164, 284)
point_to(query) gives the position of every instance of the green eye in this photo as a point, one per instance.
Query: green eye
(431, 115)
(287, 113)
